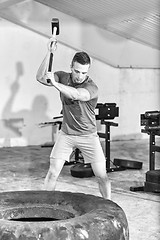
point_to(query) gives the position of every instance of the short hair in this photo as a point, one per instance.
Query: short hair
(82, 58)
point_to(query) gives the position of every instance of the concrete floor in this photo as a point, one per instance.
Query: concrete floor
(24, 168)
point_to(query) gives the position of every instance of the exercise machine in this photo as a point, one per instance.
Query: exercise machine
(150, 121)
(106, 112)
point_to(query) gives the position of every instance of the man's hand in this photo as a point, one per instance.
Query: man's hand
(52, 44)
(50, 78)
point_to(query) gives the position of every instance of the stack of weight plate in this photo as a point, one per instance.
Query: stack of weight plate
(152, 183)
(82, 170)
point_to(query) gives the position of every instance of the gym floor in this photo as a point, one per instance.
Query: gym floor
(24, 168)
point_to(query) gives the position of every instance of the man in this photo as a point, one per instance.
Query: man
(79, 95)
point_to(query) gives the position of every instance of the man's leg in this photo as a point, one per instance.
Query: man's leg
(59, 154)
(99, 169)
(92, 152)
(55, 168)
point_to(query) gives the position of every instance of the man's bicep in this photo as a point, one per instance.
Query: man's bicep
(83, 94)
(88, 93)
(93, 90)
(56, 77)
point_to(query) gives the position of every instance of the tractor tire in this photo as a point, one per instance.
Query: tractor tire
(46, 215)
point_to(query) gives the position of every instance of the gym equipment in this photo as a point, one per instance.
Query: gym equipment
(55, 215)
(127, 164)
(150, 120)
(56, 121)
(47, 63)
(153, 176)
(152, 187)
(110, 111)
(152, 183)
(55, 26)
(105, 111)
(82, 170)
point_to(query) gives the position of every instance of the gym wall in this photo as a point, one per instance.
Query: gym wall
(25, 103)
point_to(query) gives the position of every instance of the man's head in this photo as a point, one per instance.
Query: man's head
(79, 67)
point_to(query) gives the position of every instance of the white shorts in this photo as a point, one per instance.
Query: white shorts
(89, 145)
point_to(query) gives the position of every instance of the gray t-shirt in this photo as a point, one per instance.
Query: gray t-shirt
(78, 116)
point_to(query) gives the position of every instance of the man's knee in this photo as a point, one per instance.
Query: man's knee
(102, 180)
(56, 166)
(52, 173)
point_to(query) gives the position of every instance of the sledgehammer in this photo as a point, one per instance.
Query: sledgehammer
(55, 31)
(55, 26)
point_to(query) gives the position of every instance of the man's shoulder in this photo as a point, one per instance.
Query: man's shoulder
(90, 82)
(63, 76)
(62, 73)
(91, 87)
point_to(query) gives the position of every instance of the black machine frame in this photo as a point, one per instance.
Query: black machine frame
(150, 121)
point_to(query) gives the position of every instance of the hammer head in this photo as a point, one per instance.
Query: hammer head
(55, 23)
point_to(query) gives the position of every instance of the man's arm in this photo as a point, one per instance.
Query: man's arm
(80, 94)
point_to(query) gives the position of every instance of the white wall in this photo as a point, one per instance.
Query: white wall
(25, 103)
(100, 43)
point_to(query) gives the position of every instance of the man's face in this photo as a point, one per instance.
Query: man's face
(79, 72)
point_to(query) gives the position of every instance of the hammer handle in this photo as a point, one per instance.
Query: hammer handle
(54, 32)
(50, 62)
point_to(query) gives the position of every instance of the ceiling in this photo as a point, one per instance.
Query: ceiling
(137, 20)
(126, 33)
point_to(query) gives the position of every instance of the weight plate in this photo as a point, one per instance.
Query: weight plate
(136, 189)
(151, 187)
(153, 176)
(129, 164)
(82, 170)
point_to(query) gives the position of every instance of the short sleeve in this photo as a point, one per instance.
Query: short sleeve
(92, 88)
